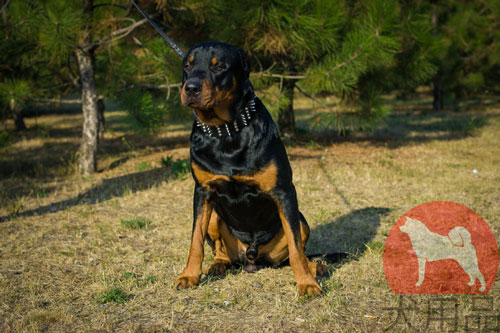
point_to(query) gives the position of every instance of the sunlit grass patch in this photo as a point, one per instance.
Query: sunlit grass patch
(136, 223)
(114, 295)
(143, 166)
(137, 280)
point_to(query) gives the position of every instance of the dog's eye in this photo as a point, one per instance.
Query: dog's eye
(188, 67)
(218, 68)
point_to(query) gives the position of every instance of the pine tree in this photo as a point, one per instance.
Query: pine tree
(287, 36)
(18, 81)
(69, 34)
(468, 59)
(348, 48)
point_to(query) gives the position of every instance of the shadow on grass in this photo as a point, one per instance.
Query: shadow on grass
(346, 237)
(400, 129)
(55, 159)
(108, 189)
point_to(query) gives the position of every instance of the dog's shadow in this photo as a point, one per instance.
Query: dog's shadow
(335, 243)
(347, 234)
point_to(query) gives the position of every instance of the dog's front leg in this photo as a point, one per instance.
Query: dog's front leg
(202, 211)
(421, 270)
(286, 201)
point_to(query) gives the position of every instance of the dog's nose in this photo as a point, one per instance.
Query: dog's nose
(192, 87)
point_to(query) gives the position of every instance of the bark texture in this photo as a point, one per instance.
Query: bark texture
(286, 117)
(87, 161)
(87, 155)
(17, 114)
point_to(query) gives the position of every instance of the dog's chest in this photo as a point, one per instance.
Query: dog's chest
(263, 180)
(244, 202)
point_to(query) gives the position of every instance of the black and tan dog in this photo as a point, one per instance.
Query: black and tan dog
(245, 203)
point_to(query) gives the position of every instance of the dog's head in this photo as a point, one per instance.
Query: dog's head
(412, 226)
(215, 83)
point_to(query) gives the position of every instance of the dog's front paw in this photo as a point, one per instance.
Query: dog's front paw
(184, 282)
(310, 289)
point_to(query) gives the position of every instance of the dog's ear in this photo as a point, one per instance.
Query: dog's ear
(245, 62)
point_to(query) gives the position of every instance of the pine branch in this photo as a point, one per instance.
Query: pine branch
(138, 42)
(347, 62)
(109, 4)
(124, 33)
(58, 100)
(152, 86)
(280, 76)
(314, 99)
(4, 6)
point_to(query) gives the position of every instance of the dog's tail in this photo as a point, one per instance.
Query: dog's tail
(460, 237)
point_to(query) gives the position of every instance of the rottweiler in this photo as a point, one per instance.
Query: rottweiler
(245, 204)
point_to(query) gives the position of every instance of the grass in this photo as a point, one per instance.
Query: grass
(114, 295)
(136, 223)
(180, 167)
(79, 253)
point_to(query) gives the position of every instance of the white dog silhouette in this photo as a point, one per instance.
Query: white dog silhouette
(430, 246)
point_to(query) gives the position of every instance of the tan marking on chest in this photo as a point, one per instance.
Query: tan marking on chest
(205, 178)
(264, 179)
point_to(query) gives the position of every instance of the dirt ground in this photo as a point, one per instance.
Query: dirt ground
(101, 253)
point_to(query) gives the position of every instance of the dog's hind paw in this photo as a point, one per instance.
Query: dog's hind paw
(321, 270)
(217, 268)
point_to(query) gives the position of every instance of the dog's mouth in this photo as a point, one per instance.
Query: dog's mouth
(207, 109)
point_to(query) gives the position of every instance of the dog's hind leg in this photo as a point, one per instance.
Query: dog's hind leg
(421, 271)
(317, 269)
(483, 283)
(276, 250)
(473, 274)
(224, 245)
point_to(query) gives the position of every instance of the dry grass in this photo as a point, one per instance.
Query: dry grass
(67, 262)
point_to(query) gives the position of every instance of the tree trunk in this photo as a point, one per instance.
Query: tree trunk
(286, 117)
(18, 116)
(437, 103)
(87, 162)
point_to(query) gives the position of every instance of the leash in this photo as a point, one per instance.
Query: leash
(172, 44)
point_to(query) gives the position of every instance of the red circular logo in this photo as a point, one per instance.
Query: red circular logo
(440, 247)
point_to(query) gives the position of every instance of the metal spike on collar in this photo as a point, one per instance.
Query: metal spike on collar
(246, 116)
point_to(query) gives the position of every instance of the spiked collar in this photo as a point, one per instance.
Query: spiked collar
(230, 129)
